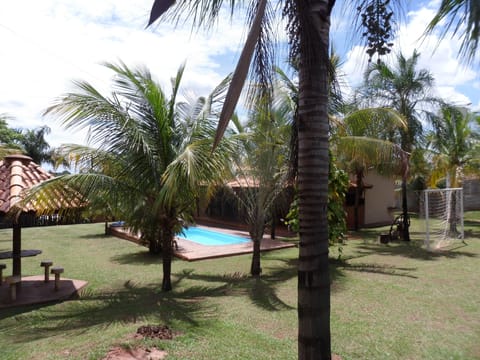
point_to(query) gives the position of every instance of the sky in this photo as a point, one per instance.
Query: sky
(46, 44)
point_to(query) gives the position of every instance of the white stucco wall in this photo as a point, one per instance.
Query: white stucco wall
(379, 199)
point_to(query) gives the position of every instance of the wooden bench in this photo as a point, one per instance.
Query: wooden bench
(46, 264)
(57, 270)
(2, 267)
(13, 281)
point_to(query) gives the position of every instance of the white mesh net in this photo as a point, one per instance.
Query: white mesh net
(442, 212)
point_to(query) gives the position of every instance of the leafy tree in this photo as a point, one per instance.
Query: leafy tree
(35, 145)
(338, 183)
(151, 157)
(29, 142)
(9, 138)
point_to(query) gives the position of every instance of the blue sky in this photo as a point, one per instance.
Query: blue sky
(55, 41)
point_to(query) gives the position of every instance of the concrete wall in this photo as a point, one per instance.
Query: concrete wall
(379, 200)
(471, 194)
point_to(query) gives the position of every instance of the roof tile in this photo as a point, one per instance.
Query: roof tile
(17, 173)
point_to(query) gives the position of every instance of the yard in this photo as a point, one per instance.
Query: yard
(393, 301)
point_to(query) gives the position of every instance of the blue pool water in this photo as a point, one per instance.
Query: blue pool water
(210, 237)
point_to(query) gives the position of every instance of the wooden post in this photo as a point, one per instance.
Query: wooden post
(17, 248)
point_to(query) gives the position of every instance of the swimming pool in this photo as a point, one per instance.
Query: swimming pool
(210, 238)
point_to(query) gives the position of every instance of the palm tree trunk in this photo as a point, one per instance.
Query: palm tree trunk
(256, 269)
(405, 227)
(167, 254)
(314, 340)
(167, 271)
(257, 229)
(273, 227)
(154, 246)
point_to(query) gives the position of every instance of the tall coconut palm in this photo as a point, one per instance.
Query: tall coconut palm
(308, 29)
(151, 156)
(452, 144)
(406, 89)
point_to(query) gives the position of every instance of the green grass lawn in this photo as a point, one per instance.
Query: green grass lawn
(394, 301)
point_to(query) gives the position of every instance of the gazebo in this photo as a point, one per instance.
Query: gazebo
(18, 173)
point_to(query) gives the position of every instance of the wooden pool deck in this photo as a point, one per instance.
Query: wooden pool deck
(191, 251)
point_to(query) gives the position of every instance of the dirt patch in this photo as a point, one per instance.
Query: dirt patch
(155, 332)
(162, 332)
(119, 353)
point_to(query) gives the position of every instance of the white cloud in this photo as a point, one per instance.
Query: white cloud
(55, 41)
(452, 96)
(48, 43)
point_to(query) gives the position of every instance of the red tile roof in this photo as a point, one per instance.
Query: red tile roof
(17, 173)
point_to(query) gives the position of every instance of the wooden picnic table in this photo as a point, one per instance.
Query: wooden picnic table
(16, 264)
(23, 253)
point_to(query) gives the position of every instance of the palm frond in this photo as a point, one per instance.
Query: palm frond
(462, 17)
(241, 71)
(363, 153)
(159, 7)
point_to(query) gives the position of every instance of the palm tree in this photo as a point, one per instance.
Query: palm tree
(405, 89)
(261, 171)
(452, 144)
(35, 145)
(151, 157)
(308, 29)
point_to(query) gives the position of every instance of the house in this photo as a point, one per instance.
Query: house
(376, 202)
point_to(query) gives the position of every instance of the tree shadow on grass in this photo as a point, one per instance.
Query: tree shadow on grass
(472, 229)
(373, 268)
(97, 310)
(12, 312)
(94, 236)
(414, 250)
(261, 290)
(134, 303)
(141, 257)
